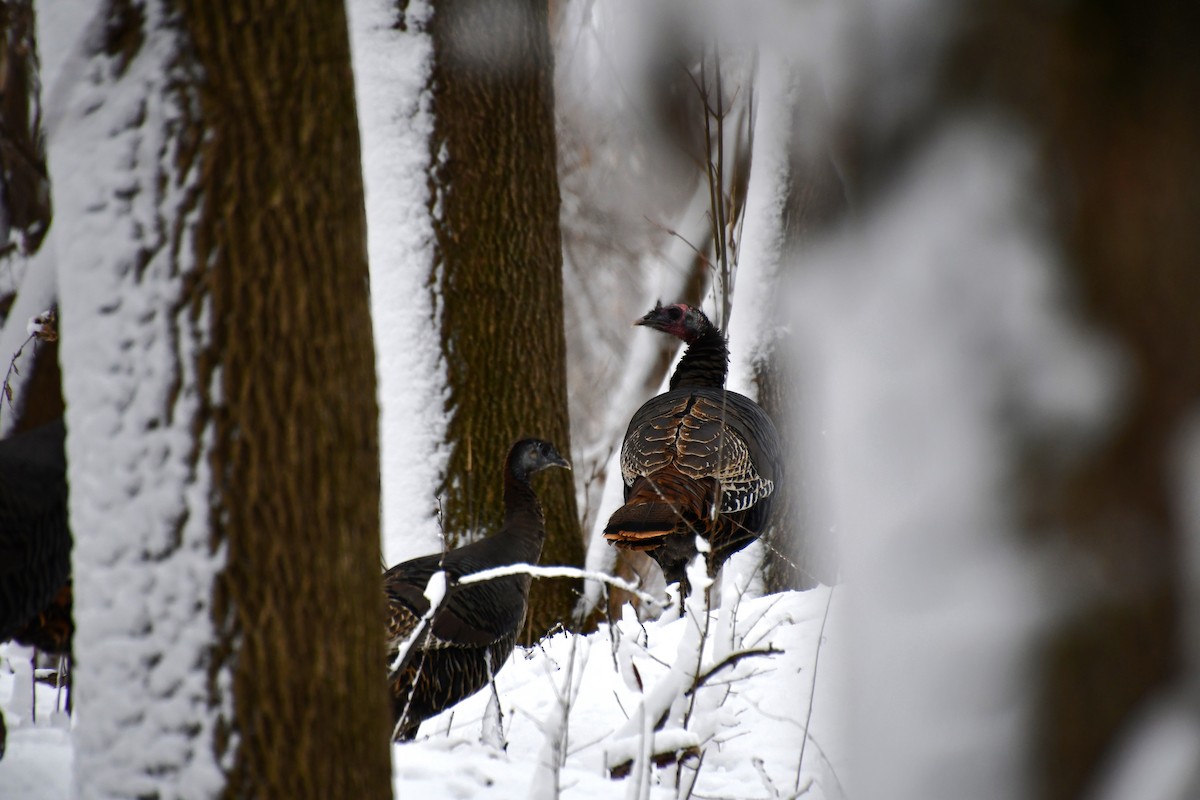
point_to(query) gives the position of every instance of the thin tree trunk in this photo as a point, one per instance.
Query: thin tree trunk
(500, 262)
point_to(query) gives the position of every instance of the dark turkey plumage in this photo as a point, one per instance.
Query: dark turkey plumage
(35, 541)
(697, 460)
(476, 628)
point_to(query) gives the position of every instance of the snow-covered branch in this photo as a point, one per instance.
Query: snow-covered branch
(435, 593)
(730, 661)
(557, 572)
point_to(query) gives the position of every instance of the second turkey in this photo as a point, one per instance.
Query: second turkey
(697, 460)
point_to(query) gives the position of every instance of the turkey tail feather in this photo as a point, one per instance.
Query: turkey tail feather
(661, 504)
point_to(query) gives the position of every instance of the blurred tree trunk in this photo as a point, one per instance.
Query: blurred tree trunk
(1117, 108)
(500, 273)
(25, 211)
(24, 189)
(1110, 91)
(796, 556)
(219, 370)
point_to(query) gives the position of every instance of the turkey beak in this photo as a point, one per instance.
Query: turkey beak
(561, 462)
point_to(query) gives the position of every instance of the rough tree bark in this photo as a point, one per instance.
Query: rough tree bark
(219, 373)
(500, 268)
(296, 449)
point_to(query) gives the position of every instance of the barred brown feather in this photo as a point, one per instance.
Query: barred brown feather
(35, 539)
(697, 460)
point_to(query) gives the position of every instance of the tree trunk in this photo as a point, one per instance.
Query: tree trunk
(25, 210)
(500, 259)
(1109, 92)
(1117, 110)
(24, 188)
(218, 370)
(296, 444)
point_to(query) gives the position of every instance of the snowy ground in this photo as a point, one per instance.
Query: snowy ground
(750, 716)
(37, 760)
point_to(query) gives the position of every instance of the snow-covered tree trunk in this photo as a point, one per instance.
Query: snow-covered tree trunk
(393, 63)
(457, 109)
(793, 194)
(218, 370)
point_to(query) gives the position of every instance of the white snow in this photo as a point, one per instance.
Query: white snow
(391, 72)
(37, 760)
(564, 701)
(758, 711)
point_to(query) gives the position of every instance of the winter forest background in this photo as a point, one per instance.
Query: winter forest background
(954, 245)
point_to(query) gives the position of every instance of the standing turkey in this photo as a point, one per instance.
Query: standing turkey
(35, 540)
(697, 460)
(474, 631)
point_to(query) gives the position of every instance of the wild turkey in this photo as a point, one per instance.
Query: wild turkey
(696, 460)
(35, 541)
(477, 623)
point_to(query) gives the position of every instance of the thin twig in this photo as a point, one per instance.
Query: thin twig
(729, 661)
(708, 264)
(813, 688)
(7, 395)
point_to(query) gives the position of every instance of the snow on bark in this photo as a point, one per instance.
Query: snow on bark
(934, 344)
(38, 290)
(139, 506)
(755, 321)
(392, 67)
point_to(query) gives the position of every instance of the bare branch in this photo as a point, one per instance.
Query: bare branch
(730, 661)
(813, 687)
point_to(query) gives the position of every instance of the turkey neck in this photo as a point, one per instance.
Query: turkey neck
(524, 526)
(705, 363)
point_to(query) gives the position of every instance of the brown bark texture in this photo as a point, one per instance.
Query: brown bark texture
(25, 207)
(296, 494)
(1109, 90)
(24, 184)
(500, 274)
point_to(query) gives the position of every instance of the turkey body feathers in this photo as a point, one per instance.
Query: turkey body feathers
(35, 539)
(697, 460)
(705, 433)
(476, 624)
(474, 629)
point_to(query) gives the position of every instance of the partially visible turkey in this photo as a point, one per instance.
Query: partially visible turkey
(697, 460)
(475, 629)
(35, 540)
